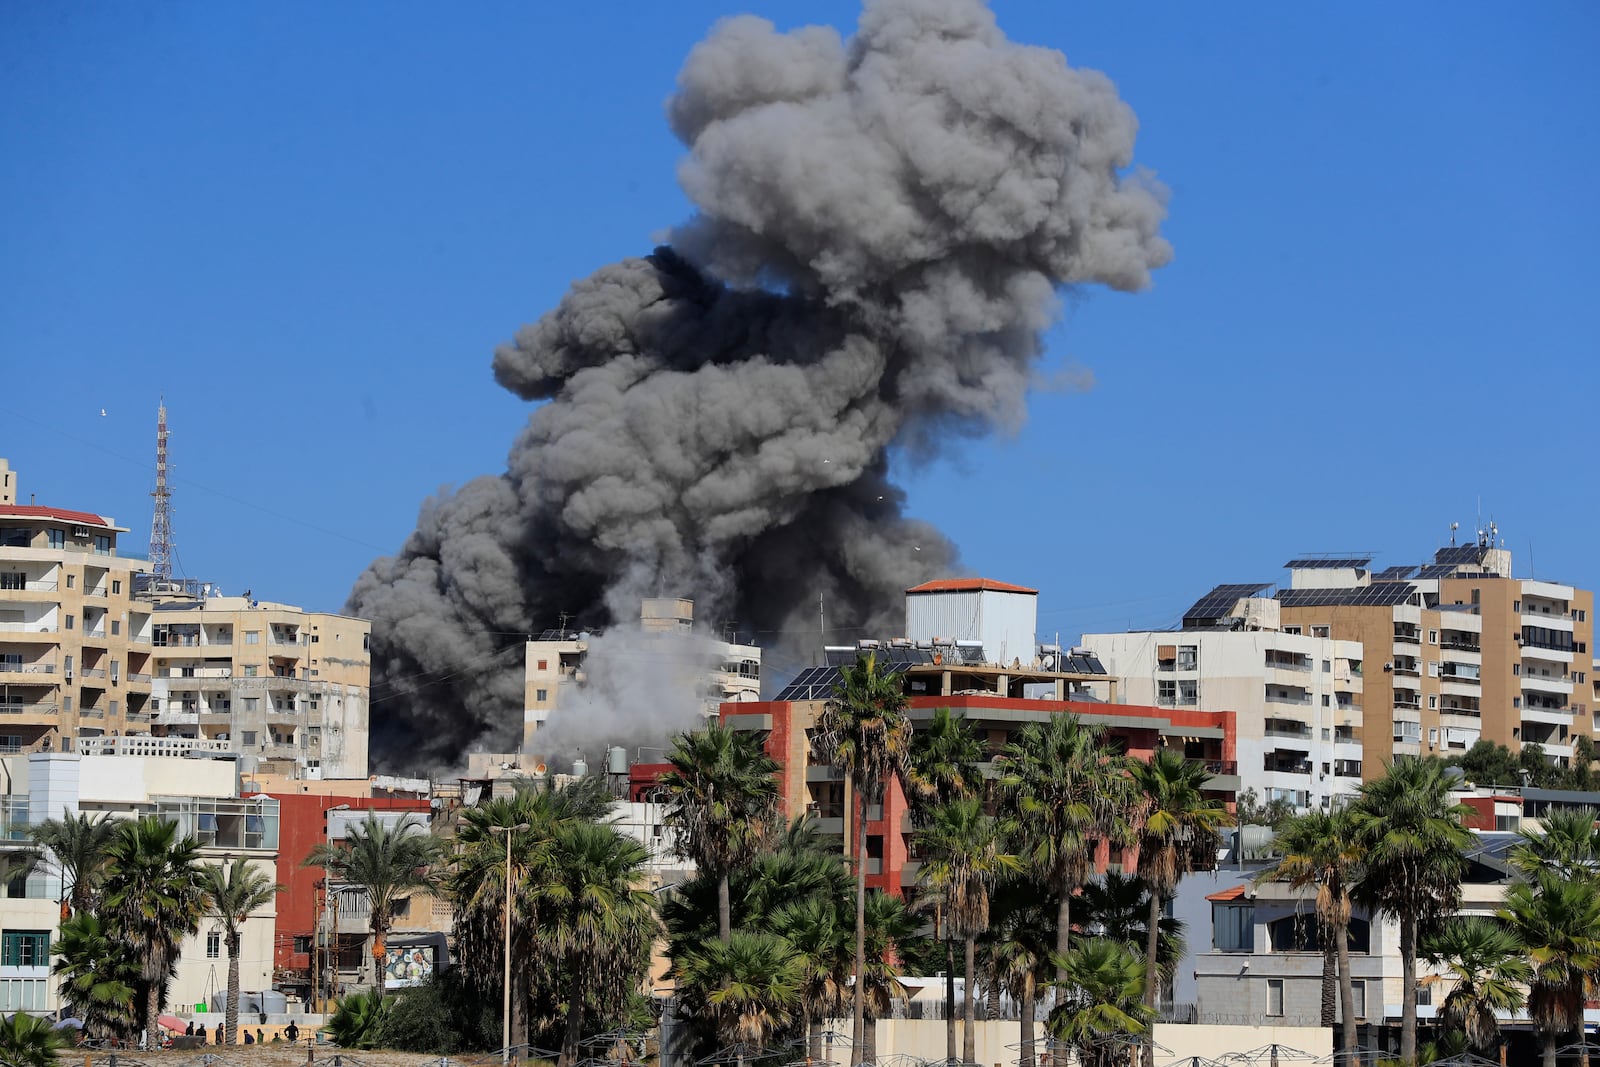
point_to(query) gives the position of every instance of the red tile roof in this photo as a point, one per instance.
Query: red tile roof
(32, 511)
(1229, 894)
(969, 585)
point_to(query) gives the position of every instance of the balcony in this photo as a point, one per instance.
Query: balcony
(28, 629)
(14, 592)
(1281, 766)
(21, 711)
(20, 672)
(1280, 728)
(1539, 683)
(1558, 716)
(1302, 699)
(1407, 637)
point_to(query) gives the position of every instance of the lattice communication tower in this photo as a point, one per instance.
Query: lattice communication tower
(161, 517)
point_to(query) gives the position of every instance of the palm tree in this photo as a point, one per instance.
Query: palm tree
(1486, 962)
(943, 763)
(78, 843)
(1567, 844)
(864, 729)
(154, 896)
(1117, 906)
(944, 767)
(386, 861)
(1559, 923)
(29, 1041)
(1179, 823)
(1068, 791)
(1022, 935)
(814, 927)
(99, 976)
(1101, 1008)
(891, 934)
(233, 892)
(596, 922)
(1412, 837)
(962, 861)
(749, 985)
(1319, 849)
(722, 797)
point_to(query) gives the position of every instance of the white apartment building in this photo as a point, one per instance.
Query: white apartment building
(1297, 698)
(200, 792)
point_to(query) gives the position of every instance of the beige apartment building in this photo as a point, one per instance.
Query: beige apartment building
(665, 645)
(1456, 650)
(287, 686)
(74, 643)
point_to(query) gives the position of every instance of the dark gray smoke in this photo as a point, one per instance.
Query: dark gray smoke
(883, 224)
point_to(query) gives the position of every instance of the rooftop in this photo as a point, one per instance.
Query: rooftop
(970, 585)
(40, 511)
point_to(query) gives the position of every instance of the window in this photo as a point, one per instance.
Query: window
(116, 627)
(22, 994)
(1579, 615)
(1358, 1000)
(58, 538)
(1166, 693)
(1433, 637)
(1327, 665)
(213, 944)
(113, 708)
(1433, 736)
(13, 580)
(1433, 701)
(250, 672)
(66, 705)
(25, 948)
(116, 586)
(1291, 629)
(302, 943)
(102, 545)
(1275, 996)
(252, 637)
(1324, 699)
(72, 580)
(544, 665)
(1319, 631)
(17, 537)
(10, 742)
(1233, 927)
(1188, 692)
(247, 737)
(70, 622)
(1408, 732)
(1188, 657)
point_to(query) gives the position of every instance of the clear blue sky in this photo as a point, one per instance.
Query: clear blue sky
(308, 225)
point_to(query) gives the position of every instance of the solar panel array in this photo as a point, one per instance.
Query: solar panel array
(1218, 603)
(1379, 594)
(1396, 574)
(892, 657)
(1312, 563)
(1436, 570)
(1460, 554)
(813, 683)
(1082, 665)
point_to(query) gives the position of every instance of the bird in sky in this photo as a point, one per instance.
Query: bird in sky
(102, 413)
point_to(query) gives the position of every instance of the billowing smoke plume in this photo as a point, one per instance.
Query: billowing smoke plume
(882, 227)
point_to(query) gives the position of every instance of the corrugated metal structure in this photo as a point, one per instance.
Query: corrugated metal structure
(1002, 618)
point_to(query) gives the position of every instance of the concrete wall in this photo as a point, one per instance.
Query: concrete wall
(995, 1042)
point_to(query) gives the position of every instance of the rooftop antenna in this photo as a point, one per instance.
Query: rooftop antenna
(1454, 526)
(161, 516)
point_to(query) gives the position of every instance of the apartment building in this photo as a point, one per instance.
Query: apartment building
(286, 686)
(719, 669)
(198, 788)
(1456, 650)
(74, 643)
(1297, 698)
(987, 679)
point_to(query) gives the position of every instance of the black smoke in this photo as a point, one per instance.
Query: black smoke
(883, 225)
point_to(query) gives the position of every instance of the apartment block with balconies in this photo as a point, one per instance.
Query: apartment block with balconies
(74, 643)
(1298, 696)
(286, 686)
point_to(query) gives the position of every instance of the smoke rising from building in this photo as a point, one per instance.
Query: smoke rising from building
(882, 227)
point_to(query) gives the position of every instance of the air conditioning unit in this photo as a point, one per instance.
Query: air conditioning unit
(81, 533)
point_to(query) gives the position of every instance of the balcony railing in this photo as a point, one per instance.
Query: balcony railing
(27, 668)
(1222, 766)
(1460, 646)
(30, 587)
(30, 709)
(1302, 733)
(27, 628)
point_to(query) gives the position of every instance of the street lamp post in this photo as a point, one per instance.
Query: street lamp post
(505, 922)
